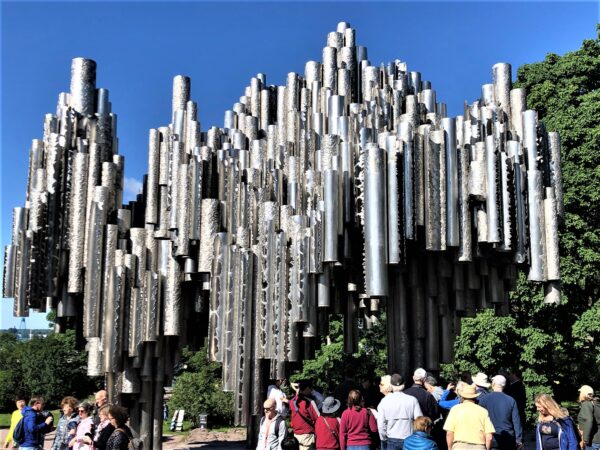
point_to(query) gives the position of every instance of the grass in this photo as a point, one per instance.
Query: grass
(5, 418)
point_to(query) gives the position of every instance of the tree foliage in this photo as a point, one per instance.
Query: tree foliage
(326, 370)
(197, 389)
(51, 367)
(555, 346)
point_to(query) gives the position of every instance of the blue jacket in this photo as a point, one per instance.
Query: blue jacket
(447, 404)
(35, 426)
(420, 440)
(566, 436)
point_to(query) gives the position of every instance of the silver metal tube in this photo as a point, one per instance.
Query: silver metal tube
(83, 85)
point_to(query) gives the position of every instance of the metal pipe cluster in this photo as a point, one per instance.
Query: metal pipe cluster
(343, 192)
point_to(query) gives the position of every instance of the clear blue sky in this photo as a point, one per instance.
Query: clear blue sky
(140, 46)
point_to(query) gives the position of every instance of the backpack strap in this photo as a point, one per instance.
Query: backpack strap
(330, 429)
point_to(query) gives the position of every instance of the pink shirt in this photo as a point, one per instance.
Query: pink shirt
(84, 427)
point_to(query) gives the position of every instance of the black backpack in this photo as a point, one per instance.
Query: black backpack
(19, 431)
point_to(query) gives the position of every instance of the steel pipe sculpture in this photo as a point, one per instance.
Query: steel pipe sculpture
(344, 191)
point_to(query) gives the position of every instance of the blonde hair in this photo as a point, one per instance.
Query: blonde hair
(386, 383)
(547, 402)
(422, 423)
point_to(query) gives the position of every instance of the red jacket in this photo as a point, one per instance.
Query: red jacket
(356, 427)
(327, 437)
(304, 414)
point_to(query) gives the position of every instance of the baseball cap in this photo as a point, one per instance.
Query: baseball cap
(396, 380)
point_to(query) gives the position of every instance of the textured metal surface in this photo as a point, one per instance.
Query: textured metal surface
(326, 195)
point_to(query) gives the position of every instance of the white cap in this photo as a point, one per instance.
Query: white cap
(419, 374)
(499, 380)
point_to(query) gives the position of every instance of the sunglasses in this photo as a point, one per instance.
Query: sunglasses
(81, 410)
(267, 409)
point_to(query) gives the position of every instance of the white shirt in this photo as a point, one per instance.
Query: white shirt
(277, 394)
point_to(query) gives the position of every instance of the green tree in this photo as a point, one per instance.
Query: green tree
(326, 370)
(197, 390)
(555, 346)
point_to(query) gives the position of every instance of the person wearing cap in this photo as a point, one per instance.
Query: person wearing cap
(504, 415)
(481, 384)
(588, 420)
(357, 424)
(468, 425)
(327, 426)
(427, 402)
(304, 415)
(395, 415)
(273, 429)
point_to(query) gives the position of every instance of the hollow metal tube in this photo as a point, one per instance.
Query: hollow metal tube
(77, 223)
(83, 85)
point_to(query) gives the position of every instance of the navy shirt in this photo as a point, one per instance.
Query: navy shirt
(549, 432)
(504, 415)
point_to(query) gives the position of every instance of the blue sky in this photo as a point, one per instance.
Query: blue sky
(140, 46)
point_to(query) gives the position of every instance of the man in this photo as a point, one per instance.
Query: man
(468, 426)
(504, 415)
(432, 387)
(371, 394)
(395, 415)
(304, 415)
(274, 391)
(272, 428)
(516, 389)
(427, 402)
(14, 420)
(34, 424)
(101, 400)
(343, 389)
(481, 384)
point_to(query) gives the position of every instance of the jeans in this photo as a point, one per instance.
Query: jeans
(394, 444)
(594, 446)
(37, 447)
(357, 447)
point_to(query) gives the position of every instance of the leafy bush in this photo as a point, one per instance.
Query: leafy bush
(198, 390)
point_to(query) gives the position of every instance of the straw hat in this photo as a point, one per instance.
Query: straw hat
(469, 391)
(481, 380)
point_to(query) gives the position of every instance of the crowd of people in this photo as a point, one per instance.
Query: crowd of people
(81, 426)
(475, 413)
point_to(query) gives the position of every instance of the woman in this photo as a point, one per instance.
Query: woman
(120, 437)
(421, 438)
(357, 424)
(85, 428)
(103, 430)
(14, 420)
(327, 425)
(589, 418)
(554, 430)
(65, 429)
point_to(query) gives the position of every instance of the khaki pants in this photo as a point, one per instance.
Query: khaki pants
(467, 446)
(306, 441)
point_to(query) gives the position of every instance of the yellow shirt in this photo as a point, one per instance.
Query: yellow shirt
(14, 420)
(469, 422)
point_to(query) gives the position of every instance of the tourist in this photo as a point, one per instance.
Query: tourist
(85, 428)
(357, 424)
(272, 430)
(516, 389)
(421, 438)
(65, 428)
(589, 418)
(481, 384)
(304, 414)
(104, 429)
(468, 426)
(14, 420)
(349, 383)
(429, 407)
(35, 425)
(121, 436)
(101, 399)
(554, 429)
(327, 426)
(432, 387)
(504, 415)
(395, 415)
(275, 392)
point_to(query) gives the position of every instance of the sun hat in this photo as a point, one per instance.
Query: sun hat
(481, 380)
(330, 405)
(469, 391)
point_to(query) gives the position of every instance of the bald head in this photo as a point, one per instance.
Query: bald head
(101, 398)
(269, 407)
